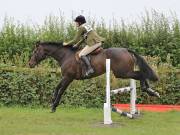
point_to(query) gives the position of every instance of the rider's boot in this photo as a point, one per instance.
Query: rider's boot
(89, 70)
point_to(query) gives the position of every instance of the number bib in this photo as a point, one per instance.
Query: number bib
(87, 27)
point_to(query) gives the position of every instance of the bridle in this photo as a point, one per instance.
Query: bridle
(36, 56)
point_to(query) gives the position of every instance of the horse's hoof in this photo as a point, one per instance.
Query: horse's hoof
(157, 94)
(151, 92)
(53, 109)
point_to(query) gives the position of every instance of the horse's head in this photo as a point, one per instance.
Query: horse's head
(38, 55)
(45, 49)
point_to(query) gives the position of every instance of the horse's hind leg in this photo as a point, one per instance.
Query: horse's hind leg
(137, 75)
(150, 91)
(144, 84)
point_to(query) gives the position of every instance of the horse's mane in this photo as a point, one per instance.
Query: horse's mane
(58, 44)
(55, 44)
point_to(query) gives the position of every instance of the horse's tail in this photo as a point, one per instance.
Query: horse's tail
(146, 70)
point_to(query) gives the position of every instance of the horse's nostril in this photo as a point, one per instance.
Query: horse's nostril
(30, 65)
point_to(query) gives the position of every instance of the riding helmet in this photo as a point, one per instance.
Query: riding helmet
(80, 19)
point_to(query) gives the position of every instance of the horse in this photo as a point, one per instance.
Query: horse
(123, 62)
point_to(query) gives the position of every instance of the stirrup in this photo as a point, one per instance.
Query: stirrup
(89, 72)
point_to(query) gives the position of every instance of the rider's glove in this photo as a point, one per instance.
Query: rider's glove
(75, 46)
(64, 44)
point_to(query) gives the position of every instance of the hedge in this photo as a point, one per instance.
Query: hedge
(21, 86)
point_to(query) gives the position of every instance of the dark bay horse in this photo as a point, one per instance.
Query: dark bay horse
(122, 66)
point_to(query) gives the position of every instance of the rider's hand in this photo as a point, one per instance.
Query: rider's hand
(64, 44)
(75, 46)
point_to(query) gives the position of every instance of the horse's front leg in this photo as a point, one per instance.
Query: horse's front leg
(59, 92)
(56, 92)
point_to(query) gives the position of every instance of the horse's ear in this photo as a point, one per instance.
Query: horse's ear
(38, 43)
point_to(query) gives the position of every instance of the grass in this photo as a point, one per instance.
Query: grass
(81, 121)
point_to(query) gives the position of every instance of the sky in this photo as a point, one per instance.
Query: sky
(35, 11)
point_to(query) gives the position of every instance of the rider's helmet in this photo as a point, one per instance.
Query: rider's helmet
(80, 19)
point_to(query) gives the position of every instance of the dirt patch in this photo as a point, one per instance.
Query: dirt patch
(113, 125)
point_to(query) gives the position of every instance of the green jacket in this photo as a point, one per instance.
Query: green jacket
(91, 39)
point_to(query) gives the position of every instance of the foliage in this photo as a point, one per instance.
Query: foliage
(35, 87)
(156, 35)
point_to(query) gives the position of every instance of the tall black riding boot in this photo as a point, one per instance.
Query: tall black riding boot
(88, 65)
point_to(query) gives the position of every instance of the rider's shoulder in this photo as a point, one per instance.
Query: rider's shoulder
(87, 27)
(81, 28)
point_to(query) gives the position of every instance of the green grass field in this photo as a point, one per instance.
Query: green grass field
(81, 121)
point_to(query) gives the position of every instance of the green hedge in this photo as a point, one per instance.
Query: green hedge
(35, 87)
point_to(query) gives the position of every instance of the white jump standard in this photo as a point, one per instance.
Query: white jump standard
(107, 105)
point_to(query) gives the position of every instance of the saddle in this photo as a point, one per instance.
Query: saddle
(82, 69)
(95, 52)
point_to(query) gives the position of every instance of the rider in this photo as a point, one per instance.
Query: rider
(87, 35)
